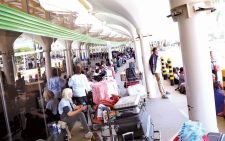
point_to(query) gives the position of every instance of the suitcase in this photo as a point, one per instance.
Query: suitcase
(128, 103)
(216, 136)
(135, 127)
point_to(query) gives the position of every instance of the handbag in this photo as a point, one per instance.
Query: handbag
(127, 84)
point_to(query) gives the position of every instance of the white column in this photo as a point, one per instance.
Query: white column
(47, 63)
(138, 55)
(7, 39)
(109, 49)
(146, 52)
(196, 58)
(68, 58)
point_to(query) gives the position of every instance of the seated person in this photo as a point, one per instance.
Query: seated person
(219, 98)
(181, 79)
(176, 76)
(51, 110)
(71, 113)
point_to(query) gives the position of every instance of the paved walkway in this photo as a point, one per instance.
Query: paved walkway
(168, 115)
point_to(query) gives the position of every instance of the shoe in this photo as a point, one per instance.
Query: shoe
(164, 97)
(167, 93)
(88, 135)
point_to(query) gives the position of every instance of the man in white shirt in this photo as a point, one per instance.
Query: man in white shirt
(155, 67)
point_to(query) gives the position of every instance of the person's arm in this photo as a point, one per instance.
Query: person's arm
(70, 82)
(72, 113)
(88, 87)
(61, 82)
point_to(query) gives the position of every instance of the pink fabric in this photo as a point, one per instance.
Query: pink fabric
(103, 90)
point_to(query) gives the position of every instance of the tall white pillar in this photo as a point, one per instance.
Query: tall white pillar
(146, 52)
(68, 58)
(47, 63)
(138, 55)
(47, 49)
(109, 49)
(194, 46)
(7, 39)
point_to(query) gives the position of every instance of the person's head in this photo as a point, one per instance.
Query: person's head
(47, 95)
(77, 70)
(181, 70)
(102, 63)
(67, 93)
(131, 65)
(155, 50)
(65, 77)
(174, 70)
(54, 72)
(97, 71)
(19, 75)
(74, 56)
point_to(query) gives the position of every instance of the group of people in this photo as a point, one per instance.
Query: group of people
(73, 90)
(60, 96)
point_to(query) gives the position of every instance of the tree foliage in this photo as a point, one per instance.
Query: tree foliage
(23, 49)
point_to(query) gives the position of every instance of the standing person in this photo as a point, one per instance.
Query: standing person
(80, 86)
(70, 113)
(155, 67)
(56, 83)
(20, 83)
(214, 65)
(74, 60)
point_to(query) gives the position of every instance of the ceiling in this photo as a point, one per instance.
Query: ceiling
(123, 17)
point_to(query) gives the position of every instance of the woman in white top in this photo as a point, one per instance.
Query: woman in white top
(79, 83)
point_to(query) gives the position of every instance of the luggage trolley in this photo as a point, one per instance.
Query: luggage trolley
(132, 120)
(107, 130)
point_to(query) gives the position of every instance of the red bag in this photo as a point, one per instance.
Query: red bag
(127, 84)
(111, 101)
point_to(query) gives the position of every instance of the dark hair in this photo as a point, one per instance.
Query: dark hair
(97, 64)
(217, 85)
(154, 49)
(77, 70)
(54, 72)
(19, 75)
(181, 69)
(102, 63)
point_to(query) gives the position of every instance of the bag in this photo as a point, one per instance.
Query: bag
(130, 74)
(111, 101)
(216, 136)
(137, 89)
(127, 84)
(139, 126)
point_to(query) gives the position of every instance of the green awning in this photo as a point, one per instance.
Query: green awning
(18, 21)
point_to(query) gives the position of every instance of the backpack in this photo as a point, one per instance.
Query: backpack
(130, 74)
